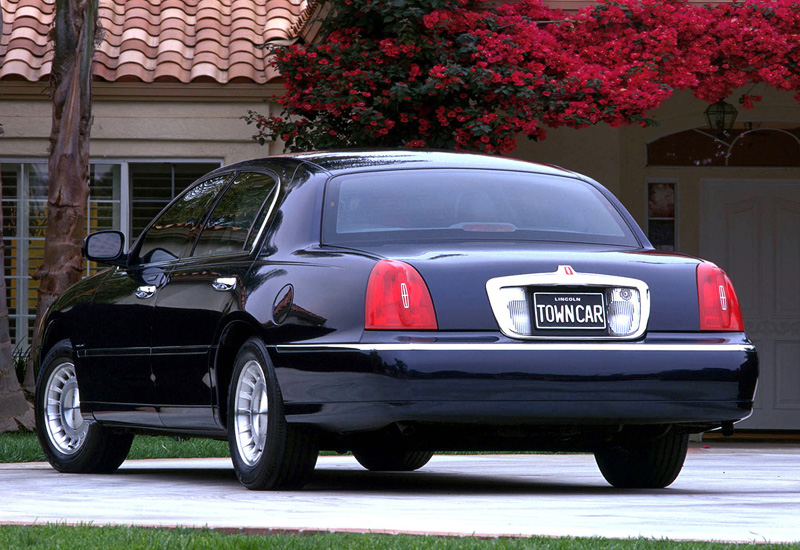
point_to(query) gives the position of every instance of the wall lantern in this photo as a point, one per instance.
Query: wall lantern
(721, 116)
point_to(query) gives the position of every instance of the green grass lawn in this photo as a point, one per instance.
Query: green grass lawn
(15, 447)
(25, 448)
(134, 538)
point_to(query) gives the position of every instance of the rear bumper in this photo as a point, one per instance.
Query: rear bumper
(700, 380)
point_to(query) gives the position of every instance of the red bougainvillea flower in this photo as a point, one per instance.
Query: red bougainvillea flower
(458, 75)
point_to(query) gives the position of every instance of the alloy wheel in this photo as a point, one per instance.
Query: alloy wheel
(65, 424)
(251, 411)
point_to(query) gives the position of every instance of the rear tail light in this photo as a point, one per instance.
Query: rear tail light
(398, 298)
(719, 306)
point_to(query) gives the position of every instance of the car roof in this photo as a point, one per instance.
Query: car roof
(365, 160)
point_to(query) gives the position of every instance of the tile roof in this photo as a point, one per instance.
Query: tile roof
(158, 40)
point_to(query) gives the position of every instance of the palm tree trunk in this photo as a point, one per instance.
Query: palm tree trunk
(73, 35)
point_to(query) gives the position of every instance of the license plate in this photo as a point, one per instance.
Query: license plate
(567, 310)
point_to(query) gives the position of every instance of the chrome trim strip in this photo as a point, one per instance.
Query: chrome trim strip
(180, 350)
(525, 346)
(163, 350)
(564, 276)
(103, 352)
(275, 192)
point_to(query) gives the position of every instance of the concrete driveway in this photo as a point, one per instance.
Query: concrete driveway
(725, 493)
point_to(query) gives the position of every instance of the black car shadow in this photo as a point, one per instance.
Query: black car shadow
(407, 483)
(458, 484)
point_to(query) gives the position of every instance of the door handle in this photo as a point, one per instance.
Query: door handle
(145, 291)
(224, 283)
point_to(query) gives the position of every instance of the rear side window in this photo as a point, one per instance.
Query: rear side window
(238, 216)
(457, 205)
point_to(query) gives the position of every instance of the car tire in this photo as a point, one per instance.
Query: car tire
(381, 459)
(267, 452)
(71, 443)
(642, 463)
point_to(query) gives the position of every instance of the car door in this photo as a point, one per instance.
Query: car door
(115, 365)
(203, 288)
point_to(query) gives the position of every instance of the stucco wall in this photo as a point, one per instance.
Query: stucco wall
(593, 151)
(150, 127)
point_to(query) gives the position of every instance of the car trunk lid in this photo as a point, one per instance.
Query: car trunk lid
(457, 278)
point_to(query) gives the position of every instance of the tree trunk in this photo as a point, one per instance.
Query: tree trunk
(15, 411)
(73, 35)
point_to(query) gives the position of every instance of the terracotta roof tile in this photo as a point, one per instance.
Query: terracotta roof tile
(36, 39)
(158, 40)
(281, 12)
(49, 9)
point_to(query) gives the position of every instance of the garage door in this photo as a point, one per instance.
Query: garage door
(752, 230)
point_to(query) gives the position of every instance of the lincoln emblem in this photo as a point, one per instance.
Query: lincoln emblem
(404, 295)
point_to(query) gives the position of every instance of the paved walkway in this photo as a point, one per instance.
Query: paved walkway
(725, 492)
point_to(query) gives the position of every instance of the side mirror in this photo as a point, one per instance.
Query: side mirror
(106, 247)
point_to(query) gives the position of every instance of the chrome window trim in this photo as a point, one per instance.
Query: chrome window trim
(523, 346)
(564, 276)
(276, 193)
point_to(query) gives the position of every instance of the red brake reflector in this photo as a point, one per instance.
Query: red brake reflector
(398, 298)
(717, 301)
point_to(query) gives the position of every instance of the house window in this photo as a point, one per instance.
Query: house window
(661, 215)
(154, 184)
(123, 195)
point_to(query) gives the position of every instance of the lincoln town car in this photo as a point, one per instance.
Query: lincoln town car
(393, 304)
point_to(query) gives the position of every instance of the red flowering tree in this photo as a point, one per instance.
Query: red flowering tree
(449, 74)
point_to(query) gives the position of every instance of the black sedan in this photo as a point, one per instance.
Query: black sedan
(393, 304)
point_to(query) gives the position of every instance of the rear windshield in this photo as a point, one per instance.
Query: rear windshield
(458, 205)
